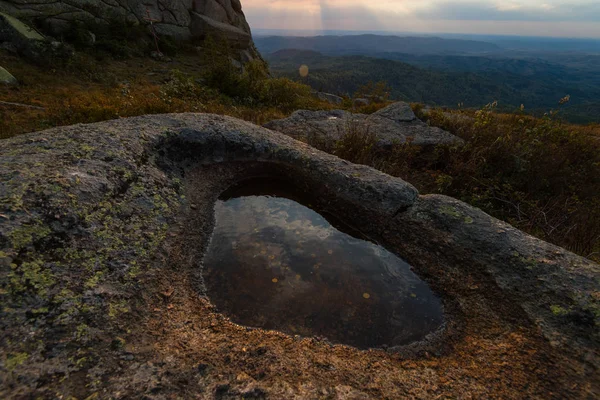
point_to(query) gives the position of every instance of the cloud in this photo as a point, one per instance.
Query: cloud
(510, 11)
(575, 18)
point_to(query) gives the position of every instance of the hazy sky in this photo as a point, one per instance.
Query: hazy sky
(574, 18)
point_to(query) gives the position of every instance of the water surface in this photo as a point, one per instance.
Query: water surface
(274, 263)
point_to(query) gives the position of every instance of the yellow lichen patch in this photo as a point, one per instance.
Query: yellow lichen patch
(366, 295)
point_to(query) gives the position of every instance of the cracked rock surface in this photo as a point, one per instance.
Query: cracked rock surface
(102, 233)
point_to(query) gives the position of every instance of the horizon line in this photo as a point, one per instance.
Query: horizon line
(322, 32)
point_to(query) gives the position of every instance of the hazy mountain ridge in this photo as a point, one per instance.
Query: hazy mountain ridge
(449, 80)
(369, 43)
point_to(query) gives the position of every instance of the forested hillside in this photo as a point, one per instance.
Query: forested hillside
(452, 80)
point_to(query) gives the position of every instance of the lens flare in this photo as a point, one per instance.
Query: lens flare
(304, 71)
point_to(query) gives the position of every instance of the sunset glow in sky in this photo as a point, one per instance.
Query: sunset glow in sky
(574, 18)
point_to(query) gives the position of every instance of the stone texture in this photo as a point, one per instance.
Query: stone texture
(203, 27)
(361, 102)
(328, 97)
(176, 18)
(398, 112)
(13, 30)
(17, 36)
(394, 124)
(6, 77)
(102, 233)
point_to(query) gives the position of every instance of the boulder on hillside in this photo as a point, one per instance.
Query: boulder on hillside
(6, 77)
(361, 102)
(203, 27)
(31, 44)
(393, 124)
(328, 97)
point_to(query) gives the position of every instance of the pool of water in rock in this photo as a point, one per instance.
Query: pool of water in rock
(274, 263)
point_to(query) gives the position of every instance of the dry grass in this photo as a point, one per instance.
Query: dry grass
(541, 175)
(90, 91)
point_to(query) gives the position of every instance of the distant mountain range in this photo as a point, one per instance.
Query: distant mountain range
(369, 44)
(449, 79)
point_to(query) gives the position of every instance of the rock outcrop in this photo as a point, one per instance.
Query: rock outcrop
(102, 233)
(20, 38)
(180, 19)
(328, 97)
(393, 124)
(6, 77)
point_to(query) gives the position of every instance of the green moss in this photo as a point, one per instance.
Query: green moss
(32, 275)
(94, 280)
(82, 331)
(14, 360)
(117, 308)
(558, 310)
(26, 235)
(451, 211)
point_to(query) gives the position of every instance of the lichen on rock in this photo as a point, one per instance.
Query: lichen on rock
(102, 233)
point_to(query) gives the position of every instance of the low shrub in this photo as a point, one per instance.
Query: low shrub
(251, 84)
(540, 175)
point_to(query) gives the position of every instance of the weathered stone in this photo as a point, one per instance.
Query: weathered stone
(101, 258)
(203, 27)
(29, 42)
(172, 18)
(328, 97)
(393, 124)
(361, 102)
(397, 112)
(13, 30)
(6, 77)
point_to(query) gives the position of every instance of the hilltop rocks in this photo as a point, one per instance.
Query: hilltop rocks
(203, 27)
(6, 77)
(328, 97)
(31, 44)
(398, 112)
(393, 124)
(18, 37)
(102, 233)
(181, 19)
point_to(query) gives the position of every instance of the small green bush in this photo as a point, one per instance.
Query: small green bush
(250, 84)
(538, 174)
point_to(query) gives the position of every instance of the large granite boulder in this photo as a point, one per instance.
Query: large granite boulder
(6, 77)
(21, 38)
(179, 19)
(393, 124)
(103, 229)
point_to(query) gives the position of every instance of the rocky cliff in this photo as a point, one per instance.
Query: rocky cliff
(179, 19)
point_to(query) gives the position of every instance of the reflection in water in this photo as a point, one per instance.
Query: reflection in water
(275, 264)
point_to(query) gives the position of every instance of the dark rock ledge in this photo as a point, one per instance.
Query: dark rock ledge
(102, 229)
